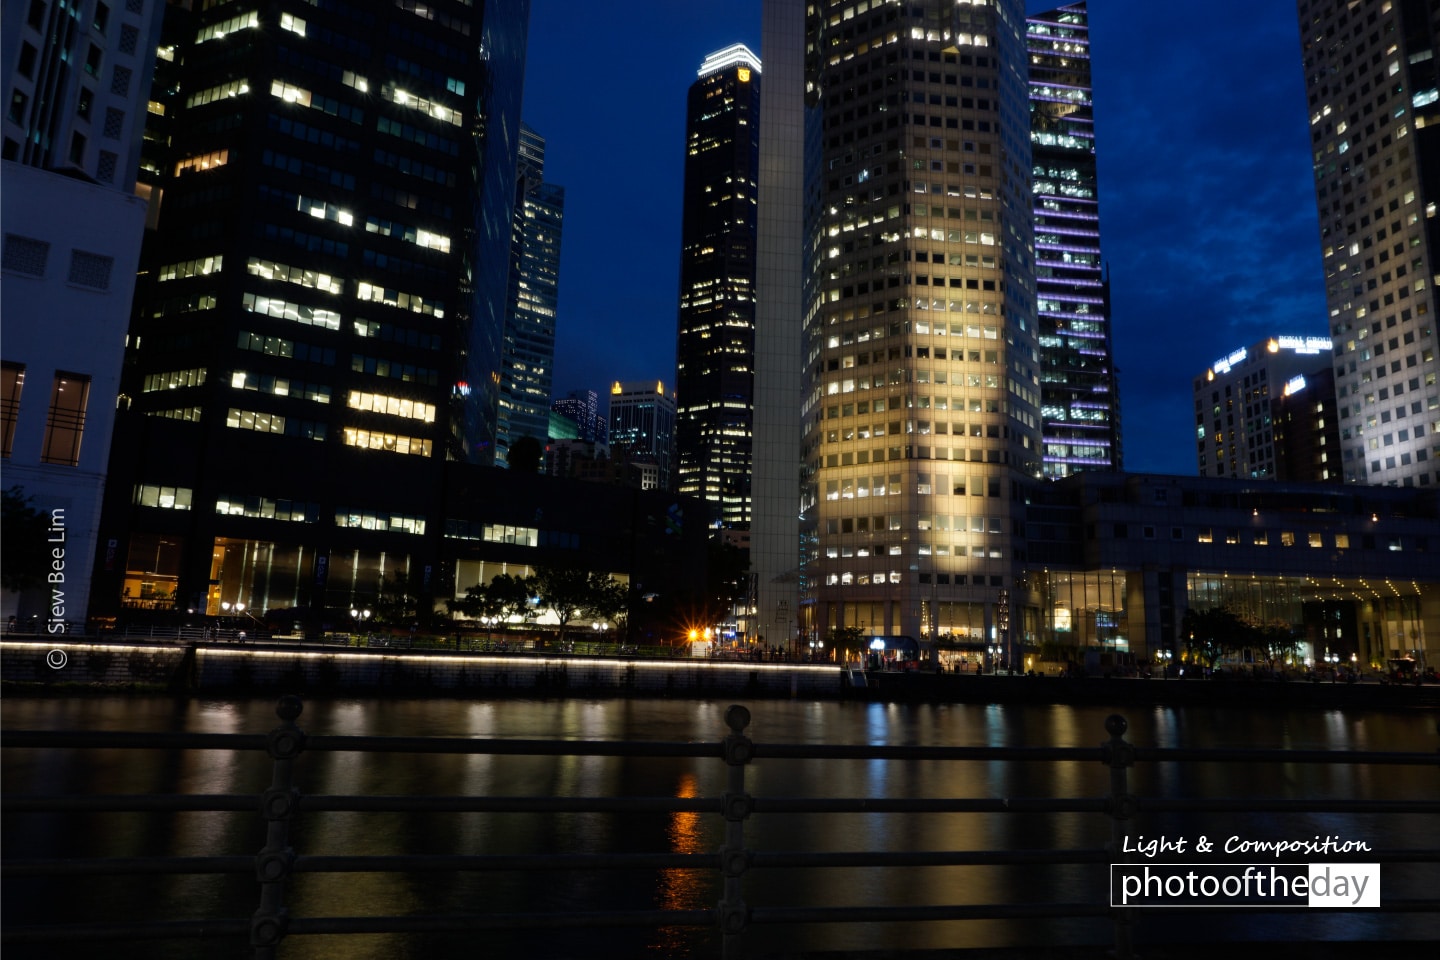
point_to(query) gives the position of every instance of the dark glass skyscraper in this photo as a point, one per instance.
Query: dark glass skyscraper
(1079, 398)
(715, 353)
(529, 355)
(321, 308)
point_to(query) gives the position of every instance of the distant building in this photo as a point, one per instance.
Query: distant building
(642, 429)
(715, 350)
(76, 84)
(527, 368)
(1374, 100)
(562, 427)
(582, 407)
(1079, 397)
(1116, 560)
(1236, 408)
(1307, 430)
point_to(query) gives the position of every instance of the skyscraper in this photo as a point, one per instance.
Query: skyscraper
(322, 305)
(1241, 413)
(922, 363)
(1371, 78)
(529, 357)
(715, 350)
(642, 429)
(76, 82)
(1079, 400)
(583, 407)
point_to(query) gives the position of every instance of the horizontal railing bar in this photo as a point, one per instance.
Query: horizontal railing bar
(1242, 755)
(868, 914)
(241, 741)
(420, 863)
(546, 748)
(103, 740)
(394, 804)
(222, 802)
(124, 866)
(446, 923)
(1228, 805)
(130, 803)
(926, 805)
(875, 751)
(942, 858)
(157, 930)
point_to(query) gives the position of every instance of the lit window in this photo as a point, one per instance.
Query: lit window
(66, 424)
(12, 383)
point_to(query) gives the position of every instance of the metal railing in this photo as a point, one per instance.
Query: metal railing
(276, 865)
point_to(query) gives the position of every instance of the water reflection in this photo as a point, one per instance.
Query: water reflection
(113, 771)
(688, 832)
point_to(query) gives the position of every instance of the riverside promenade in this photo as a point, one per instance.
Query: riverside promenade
(272, 666)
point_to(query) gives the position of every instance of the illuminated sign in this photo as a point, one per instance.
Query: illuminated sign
(1294, 385)
(1224, 365)
(1309, 345)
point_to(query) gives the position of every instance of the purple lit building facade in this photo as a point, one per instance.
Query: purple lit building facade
(1080, 400)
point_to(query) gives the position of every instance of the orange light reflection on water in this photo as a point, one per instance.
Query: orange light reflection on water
(682, 889)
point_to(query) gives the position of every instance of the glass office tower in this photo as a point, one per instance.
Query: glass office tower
(321, 307)
(529, 351)
(715, 351)
(1080, 407)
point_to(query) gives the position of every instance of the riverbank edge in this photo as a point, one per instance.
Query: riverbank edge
(150, 669)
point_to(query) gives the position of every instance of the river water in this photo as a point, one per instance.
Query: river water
(117, 771)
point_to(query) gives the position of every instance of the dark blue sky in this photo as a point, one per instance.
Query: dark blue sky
(1208, 218)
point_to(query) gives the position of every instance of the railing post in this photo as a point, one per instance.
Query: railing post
(1119, 756)
(734, 858)
(277, 804)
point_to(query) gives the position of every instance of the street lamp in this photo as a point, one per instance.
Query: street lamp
(359, 615)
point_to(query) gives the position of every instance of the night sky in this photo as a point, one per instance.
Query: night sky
(1207, 208)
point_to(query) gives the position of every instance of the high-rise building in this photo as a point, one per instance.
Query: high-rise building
(922, 356)
(1307, 430)
(1240, 429)
(76, 83)
(582, 407)
(642, 429)
(715, 351)
(775, 535)
(322, 305)
(1372, 82)
(529, 358)
(1079, 402)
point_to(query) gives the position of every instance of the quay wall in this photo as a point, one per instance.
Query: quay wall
(279, 668)
(286, 668)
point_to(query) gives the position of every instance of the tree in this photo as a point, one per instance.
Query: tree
(505, 596)
(26, 556)
(571, 592)
(402, 600)
(848, 640)
(1214, 632)
(727, 579)
(525, 455)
